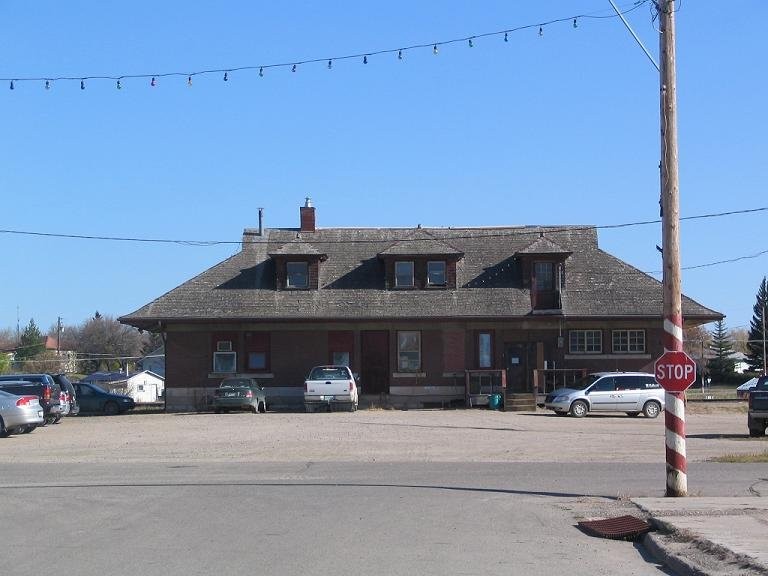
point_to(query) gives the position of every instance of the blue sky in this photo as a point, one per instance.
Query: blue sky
(554, 129)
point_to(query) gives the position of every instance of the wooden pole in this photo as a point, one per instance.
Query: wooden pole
(677, 477)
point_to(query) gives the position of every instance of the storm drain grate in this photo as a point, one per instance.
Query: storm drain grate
(620, 528)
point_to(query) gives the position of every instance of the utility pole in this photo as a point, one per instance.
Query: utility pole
(674, 415)
(58, 336)
(765, 373)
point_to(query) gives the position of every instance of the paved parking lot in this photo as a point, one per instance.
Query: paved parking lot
(379, 436)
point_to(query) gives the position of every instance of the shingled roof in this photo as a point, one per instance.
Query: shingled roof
(351, 280)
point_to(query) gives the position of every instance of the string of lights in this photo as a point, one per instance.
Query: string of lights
(481, 232)
(364, 57)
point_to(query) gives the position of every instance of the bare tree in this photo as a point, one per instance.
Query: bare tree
(108, 343)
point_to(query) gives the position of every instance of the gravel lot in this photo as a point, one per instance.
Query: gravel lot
(378, 435)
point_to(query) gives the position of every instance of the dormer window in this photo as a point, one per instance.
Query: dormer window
(436, 274)
(404, 274)
(297, 275)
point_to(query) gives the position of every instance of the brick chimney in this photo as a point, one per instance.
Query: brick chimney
(307, 215)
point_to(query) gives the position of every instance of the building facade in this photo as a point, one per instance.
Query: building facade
(411, 311)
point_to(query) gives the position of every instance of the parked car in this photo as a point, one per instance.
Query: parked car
(94, 399)
(630, 392)
(66, 386)
(19, 414)
(40, 385)
(239, 394)
(331, 387)
(757, 413)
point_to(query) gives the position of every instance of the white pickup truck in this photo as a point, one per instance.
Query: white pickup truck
(330, 387)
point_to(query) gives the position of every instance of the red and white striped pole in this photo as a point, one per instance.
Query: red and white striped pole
(674, 418)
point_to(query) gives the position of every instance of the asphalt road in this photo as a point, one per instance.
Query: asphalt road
(134, 495)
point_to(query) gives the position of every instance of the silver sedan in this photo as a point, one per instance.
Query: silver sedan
(19, 413)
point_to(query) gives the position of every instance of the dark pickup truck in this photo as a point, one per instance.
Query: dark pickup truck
(757, 417)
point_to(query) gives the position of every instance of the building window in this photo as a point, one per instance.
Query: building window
(225, 362)
(484, 350)
(404, 274)
(297, 275)
(409, 351)
(629, 341)
(436, 274)
(257, 361)
(586, 341)
(340, 359)
(544, 274)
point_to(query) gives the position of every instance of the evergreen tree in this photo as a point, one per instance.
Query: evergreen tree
(756, 335)
(31, 343)
(723, 363)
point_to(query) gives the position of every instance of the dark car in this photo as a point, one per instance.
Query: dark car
(239, 394)
(41, 385)
(94, 399)
(66, 387)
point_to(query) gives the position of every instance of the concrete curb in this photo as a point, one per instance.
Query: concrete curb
(654, 543)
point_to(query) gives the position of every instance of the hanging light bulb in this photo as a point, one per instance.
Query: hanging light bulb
(226, 76)
(189, 80)
(541, 31)
(434, 49)
(119, 85)
(12, 87)
(575, 25)
(293, 68)
(506, 36)
(330, 64)
(261, 72)
(47, 84)
(365, 59)
(153, 82)
(399, 54)
(471, 44)
(82, 84)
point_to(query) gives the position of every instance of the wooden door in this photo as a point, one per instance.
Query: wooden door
(374, 362)
(517, 362)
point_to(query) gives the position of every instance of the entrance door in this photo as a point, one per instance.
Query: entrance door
(516, 360)
(374, 362)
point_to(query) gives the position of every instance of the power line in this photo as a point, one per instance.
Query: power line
(364, 57)
(535, 231)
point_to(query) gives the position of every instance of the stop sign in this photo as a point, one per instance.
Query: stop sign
(675, 371)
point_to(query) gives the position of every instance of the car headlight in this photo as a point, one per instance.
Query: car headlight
(562, 398)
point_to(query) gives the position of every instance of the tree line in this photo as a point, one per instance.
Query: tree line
(99, 343)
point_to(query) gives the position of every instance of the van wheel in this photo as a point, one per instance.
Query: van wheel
(756, 432)
(110, 408)
(633, 414)
(651, 409)
(579, 409)
(262, 407)
(4, 433)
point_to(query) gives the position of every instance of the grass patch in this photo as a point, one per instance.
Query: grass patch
(756, 458)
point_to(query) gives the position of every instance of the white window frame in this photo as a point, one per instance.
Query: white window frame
(585, 341)
(444, 266)
(551, 274)
(405, 354)
(288, 283)
(397, 276)
(628, 341)
(223, 360)
(224, 346)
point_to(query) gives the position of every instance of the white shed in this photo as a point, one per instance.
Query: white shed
(145, 386)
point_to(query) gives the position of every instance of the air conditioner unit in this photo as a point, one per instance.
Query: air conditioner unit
(224, 346)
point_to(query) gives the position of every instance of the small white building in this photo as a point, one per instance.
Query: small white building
(145, 386)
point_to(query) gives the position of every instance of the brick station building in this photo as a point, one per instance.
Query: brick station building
(411, 310)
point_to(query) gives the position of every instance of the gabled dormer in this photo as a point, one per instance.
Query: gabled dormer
(420, 261)
(543, 272)
(297, 265)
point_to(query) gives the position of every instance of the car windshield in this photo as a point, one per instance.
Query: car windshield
(583, 383)
(329, 373)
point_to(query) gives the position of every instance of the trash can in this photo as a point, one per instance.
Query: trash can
(494, 401)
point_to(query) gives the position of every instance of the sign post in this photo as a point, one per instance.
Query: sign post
(675, 371)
